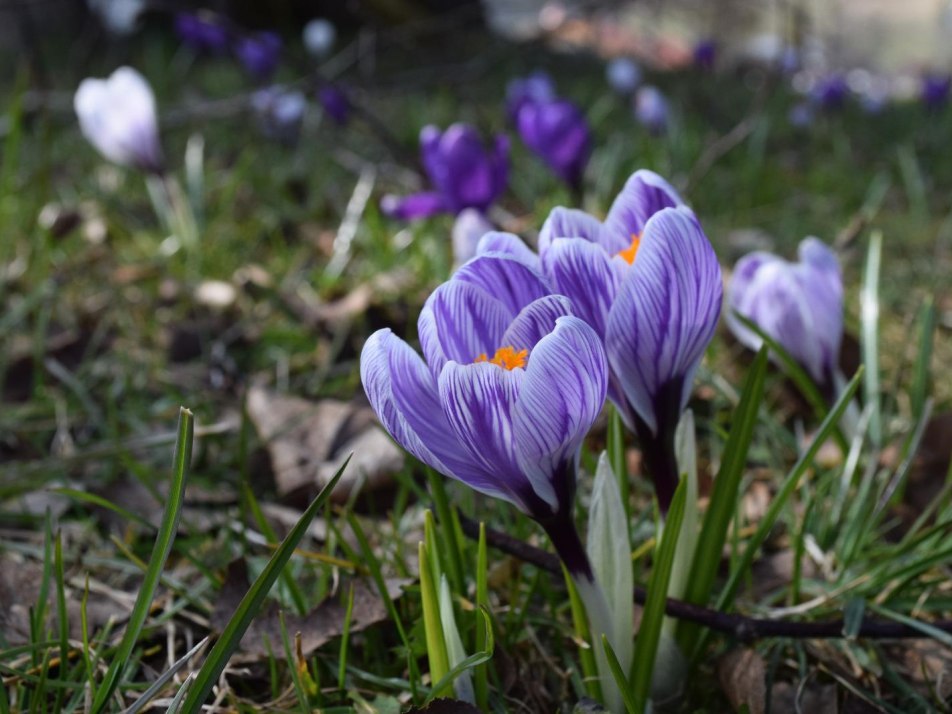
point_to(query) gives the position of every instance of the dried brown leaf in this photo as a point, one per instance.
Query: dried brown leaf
(743, 677)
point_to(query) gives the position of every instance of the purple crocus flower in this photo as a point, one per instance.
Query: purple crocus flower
(801, 115)
(462, 171)
(830, 92)
(934, 92)
(537, 87)
(651, 109)
(557, 131)
(201, 32)
(335, 103)
(623, 75)
(799, 304)
(648, 282)
(705, 54)
(511, 384)
(259, 53)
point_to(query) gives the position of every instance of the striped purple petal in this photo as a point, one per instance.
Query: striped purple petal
(460, 321)
(536, 320)
(665, 312)
(568, 223)
(644, 194)
(414, 206)
(560, 397)
(506, 278)
(510, 244)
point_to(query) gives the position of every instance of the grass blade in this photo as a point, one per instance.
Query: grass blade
(480, 673)
(919, 389)
(432, 627)
(149, 694)
(707, 556)
(251, 603)
(869, 342)
(627, 696)
(160, 552)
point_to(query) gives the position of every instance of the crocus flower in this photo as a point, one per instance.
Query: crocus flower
(648, 282)
(557, 131)
(651, 109)
(705, 54)
(510, 386)
(801, 115)
(830, 92)
(537, 87)
(259, 53)
(934, 92)
(319, 36)
(117, 116)
(119, 17)
(280, 112)
(462, 172)
(202, 32)
(335, 103)
(623, 75)
(800, 305)
(469, 227)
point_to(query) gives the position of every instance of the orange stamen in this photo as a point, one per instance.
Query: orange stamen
(631, 251)
(506, 357)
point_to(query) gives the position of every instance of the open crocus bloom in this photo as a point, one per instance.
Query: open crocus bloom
(117, 116)
(800, 305)
(648, 282)
(462, 171)
(511, 384)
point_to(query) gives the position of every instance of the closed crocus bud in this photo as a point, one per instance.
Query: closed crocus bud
(623, 75)
(319, 37)
(830, 92)
(280, 112)
(537, 87)
(119, 17)
(651, 109)
(117, 116)
(705, 54)
(558, 132)
(202, 32)
(470, 225)
(335, 103)
(800, 305)
(934, 92)
(259, 53)
(463, 172)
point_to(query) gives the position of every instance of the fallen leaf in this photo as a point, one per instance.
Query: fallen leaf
(775, 571)
(319, 626)
(308, 441)
(787, 698)
(742, 675)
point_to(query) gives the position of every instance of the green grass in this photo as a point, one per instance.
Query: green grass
(102, 342)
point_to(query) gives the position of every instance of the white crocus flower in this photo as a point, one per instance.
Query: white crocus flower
(119, 17)
(117, 116)
(319, 37)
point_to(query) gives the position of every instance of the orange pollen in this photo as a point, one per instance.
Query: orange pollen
(506, 357)
(631, 251)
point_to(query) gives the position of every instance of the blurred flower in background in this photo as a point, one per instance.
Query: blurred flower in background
(537, 87)
(202, 32)
(557, 131)
(801, 115)
(934, 90)
(470, 225)
(830, 91)
(335, 103)
(280, 112)
(119, 17)
(623, 75)
(463, 172)
(259, 53)
(651, 109)
(117, 116)
(319, 37)
(705, 55)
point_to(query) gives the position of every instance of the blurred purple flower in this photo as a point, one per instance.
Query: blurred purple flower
(117, 116)
(623, 75)
(510, 386)
(259, 53)
(537, 87)
(201, 32)
(558, 132)
(801, 115)
(469, 227)
(651, 109)
(705, 54)
(280, 112)
(649, 284)
(462, 172)
(799, 304)
(335, 103)
(934, 91)
(830, 92)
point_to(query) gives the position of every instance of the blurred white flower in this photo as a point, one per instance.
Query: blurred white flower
(651, 109)
(470, 226)
(280, 112)
(120, 17)
(319, 37)
(117, 116)
(623, 74)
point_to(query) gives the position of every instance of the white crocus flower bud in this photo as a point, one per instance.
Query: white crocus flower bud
(623, 74)
(319, 37)
(119, 17)
(117, 116)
